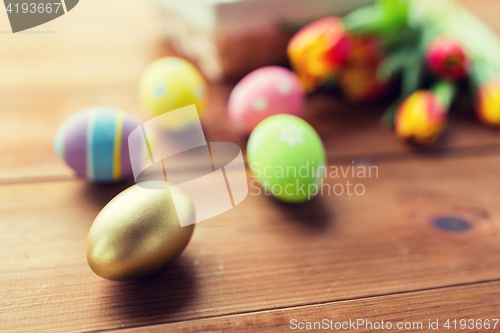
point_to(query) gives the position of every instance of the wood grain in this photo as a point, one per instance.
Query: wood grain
(79, 67)
(28, 126)
(95, 44)
(253, 268)
(262, 255)
(414, 309)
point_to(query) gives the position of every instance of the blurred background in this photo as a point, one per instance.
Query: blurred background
(375, 254)
(95, 55)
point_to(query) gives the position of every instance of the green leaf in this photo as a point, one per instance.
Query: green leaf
(412, 73)
(381, 18)
(445, 91)
(364, 20)
(396, 13)
(395, 62)
(400, 38)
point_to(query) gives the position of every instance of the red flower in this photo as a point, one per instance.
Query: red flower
(447, 59)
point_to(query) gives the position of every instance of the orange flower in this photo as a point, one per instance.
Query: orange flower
(318, 51)
(421, 118)
(361, 84)
(359, 81)
(488, 106)
(365, 51)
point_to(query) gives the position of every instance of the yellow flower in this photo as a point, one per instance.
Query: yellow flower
(421, 118)
(488, 107)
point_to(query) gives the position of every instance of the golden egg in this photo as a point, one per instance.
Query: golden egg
(138, 233)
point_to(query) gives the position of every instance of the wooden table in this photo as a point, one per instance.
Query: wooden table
(380, 256)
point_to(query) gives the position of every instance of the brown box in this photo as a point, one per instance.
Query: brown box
(229, 38)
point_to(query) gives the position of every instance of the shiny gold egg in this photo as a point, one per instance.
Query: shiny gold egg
(138, 233)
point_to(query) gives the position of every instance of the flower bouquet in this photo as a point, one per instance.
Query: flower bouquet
(429, 46)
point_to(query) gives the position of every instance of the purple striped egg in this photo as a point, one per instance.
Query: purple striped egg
(94, 143)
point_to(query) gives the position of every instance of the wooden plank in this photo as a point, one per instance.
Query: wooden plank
(262, 255)
(82, 65)
(28, 126)
(417, 310)
(96, 43)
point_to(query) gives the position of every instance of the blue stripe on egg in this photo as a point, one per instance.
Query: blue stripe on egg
(101, 138)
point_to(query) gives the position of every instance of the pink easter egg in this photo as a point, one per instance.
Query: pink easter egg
(265, 92)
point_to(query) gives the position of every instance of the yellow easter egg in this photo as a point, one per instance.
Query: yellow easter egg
(171, 83)
(138, 233)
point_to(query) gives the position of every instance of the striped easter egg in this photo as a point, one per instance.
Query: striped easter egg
(94, 143)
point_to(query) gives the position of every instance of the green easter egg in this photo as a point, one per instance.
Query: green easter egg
(287, 157)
